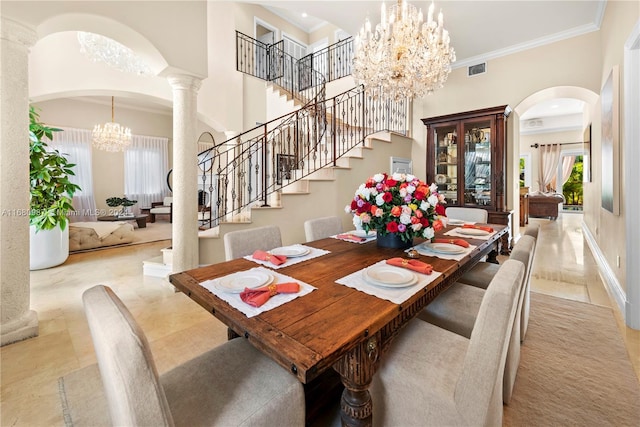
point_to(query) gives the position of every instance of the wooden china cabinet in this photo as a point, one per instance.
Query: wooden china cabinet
(466, 158)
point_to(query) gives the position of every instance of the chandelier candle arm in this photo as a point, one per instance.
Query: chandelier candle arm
(403, 57)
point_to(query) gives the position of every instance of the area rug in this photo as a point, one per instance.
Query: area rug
(574, 369)
(82, 399)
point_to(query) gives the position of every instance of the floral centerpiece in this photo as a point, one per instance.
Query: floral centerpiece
(398, 205)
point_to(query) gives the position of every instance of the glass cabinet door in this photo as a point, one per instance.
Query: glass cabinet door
(477, 163)
(446, 161)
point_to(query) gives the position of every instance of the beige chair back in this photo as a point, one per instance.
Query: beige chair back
(134, 394)
(532, 230)
(320, 228)
(523, 252)
(486, 356)
(526, 304)
(468, 214)
(245, 242)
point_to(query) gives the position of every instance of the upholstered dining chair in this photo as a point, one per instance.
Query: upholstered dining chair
(244, 242)
(319, 228)
(467, 214)
(482, 273)
(232, 385)
(531, 230)
(457, 308)
(434, 377)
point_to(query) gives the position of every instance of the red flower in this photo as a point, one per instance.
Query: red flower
(391, 182)
(354, 205)
(387, 197)
(421, 192)
(440, 210)
(392, 227)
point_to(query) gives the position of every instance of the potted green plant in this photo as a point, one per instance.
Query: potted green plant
(114, 202)
(50, 199)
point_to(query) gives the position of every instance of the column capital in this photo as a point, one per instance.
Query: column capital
(17, 32)
(184, 82)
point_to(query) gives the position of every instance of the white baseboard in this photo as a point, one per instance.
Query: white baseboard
(610, 280)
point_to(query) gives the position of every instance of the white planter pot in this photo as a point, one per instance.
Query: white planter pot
(48, 248)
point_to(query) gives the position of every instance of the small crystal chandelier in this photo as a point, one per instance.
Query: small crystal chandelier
(404, 57)
(99, 48)
(111, 137)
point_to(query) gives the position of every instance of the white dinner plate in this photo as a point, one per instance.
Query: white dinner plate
(290, 251)
(363, 233)
(389, 276)
(237, 282)
(442, 248)
(456, 221)
(472, 231)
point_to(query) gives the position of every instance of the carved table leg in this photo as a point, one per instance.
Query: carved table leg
(505, 250)
(356, 369)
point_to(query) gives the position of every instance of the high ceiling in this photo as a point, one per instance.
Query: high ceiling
(479, 29)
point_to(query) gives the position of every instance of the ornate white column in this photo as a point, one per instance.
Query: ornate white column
(17, 321)
(185, 172)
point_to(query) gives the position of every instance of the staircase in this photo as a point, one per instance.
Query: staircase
(302, 159)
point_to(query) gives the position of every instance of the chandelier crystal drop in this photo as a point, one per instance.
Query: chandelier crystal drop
(111, 136)
(99, 48)
(404, 56)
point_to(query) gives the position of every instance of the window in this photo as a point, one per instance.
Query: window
(146, 165)
(76, 145)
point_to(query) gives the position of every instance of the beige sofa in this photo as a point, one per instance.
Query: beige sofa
(88, 235)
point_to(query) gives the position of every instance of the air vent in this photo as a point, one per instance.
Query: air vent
(533, 124)
(474, 70)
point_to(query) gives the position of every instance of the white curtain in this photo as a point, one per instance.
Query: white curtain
(549, 158)
(567, 168)
(76, 144)
(146, 164)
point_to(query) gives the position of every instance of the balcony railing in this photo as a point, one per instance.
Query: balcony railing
(244, 171)
(333, 62)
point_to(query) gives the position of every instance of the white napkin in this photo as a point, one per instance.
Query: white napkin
(395, 295)
(456, 233)
(313, 253)
(424, 250)
(275, 301)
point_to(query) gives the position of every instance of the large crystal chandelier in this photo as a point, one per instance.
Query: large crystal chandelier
(111, 136)
(99, 48)
(404, 57)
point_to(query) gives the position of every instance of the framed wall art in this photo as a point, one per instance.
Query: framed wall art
(610, 180)
(586, 156)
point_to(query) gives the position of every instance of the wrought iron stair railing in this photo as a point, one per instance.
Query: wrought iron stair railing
(244, 171)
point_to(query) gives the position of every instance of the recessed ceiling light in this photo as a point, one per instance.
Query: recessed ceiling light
(304, 14)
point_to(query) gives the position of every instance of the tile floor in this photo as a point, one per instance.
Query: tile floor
(178, 329)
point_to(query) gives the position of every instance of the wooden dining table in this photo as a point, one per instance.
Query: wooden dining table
(335, 326)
